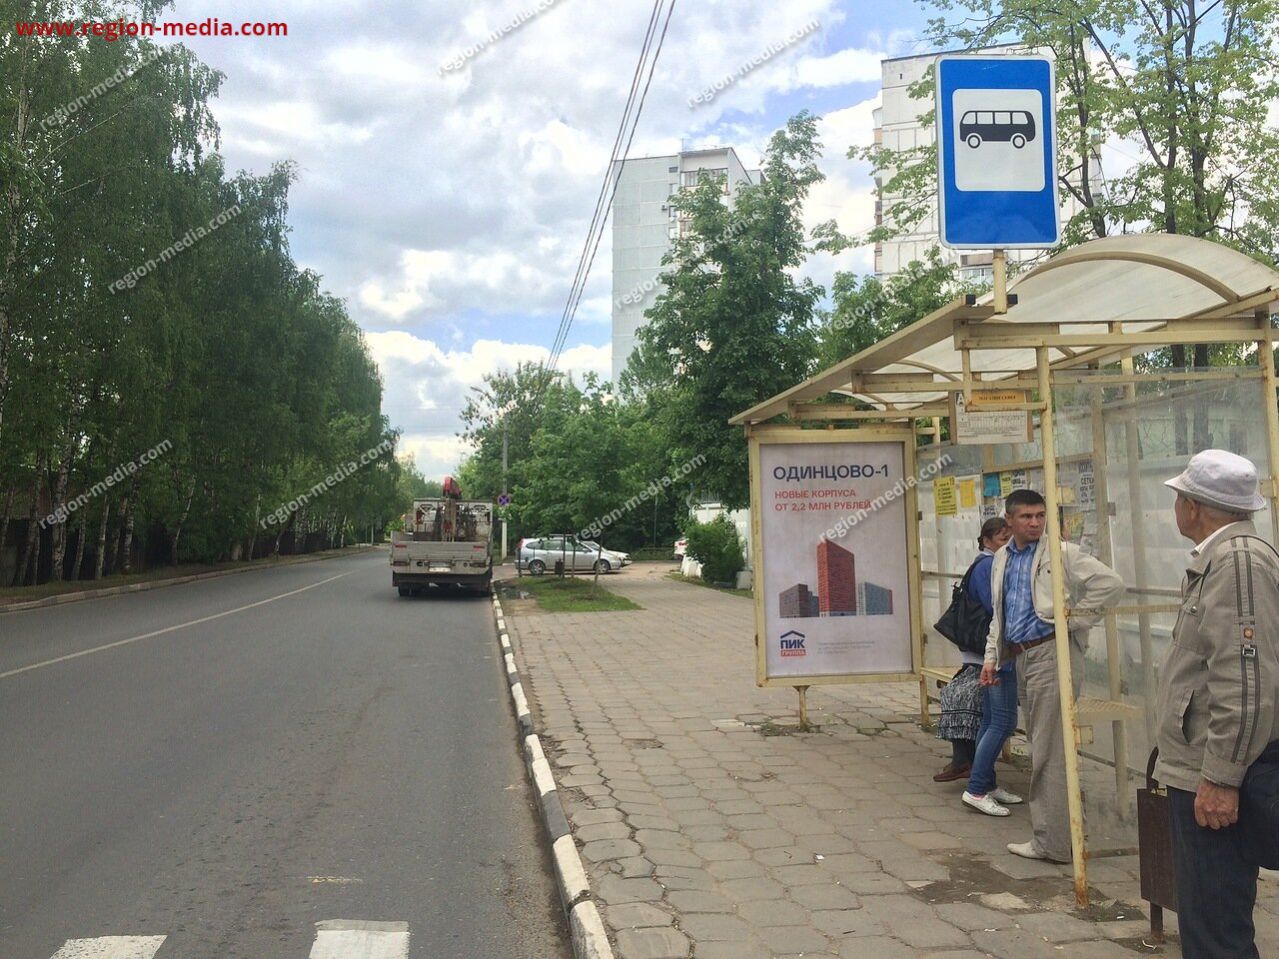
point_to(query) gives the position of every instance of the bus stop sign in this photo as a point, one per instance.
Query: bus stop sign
(996, 152)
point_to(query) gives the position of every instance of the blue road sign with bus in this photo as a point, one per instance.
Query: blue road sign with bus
(996, 152)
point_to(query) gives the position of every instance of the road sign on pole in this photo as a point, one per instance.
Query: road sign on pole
(997, 152)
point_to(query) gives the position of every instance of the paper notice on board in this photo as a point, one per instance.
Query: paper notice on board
(1086, 489)
(944, 499)
(990, 485)
(1005, 483)
(968, 493)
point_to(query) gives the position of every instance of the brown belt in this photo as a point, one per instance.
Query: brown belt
(1019, 648)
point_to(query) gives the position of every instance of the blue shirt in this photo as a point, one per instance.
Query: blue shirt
(1021, 624)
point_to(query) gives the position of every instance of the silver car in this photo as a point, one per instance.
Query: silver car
(540, 554)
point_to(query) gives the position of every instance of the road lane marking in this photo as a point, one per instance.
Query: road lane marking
(351, 939)
(111, 947)
(168, 629)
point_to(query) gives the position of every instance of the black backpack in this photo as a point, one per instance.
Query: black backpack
(965, 622)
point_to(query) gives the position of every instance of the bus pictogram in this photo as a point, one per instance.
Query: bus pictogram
(997, 126)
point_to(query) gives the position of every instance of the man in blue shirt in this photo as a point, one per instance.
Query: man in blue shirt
(1021, 629)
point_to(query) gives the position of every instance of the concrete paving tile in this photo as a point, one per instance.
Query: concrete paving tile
(792, 939)
(661, 839)
(777, 912)
(970, 916)
(716, 851)
(1057, 927)
(712, 926)
(707, 833)
(765, 838)
(697, 900)
(632, 867)
(656, 943)
(752, 889)
(930, 840)
(605, 849)
(635, 915)
(615, 890)
(674, 857)
(603, 830)
(732, 949)
(823, 896)
(594, 817)
(876, 947)
(736, 869)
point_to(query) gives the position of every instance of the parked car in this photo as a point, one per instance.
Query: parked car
(681, 547)
(538, 555)
(615, 557)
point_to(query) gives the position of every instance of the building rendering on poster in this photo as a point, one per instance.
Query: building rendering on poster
(835, 588)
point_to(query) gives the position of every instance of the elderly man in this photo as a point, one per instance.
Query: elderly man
(1216, 707)
(1021, 629)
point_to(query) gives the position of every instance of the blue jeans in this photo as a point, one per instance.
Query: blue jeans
(998, 722)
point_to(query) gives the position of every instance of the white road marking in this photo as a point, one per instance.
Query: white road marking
(168, 629)
(350, 939)
(111, 947)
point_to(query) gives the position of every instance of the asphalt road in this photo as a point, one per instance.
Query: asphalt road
(261, 766)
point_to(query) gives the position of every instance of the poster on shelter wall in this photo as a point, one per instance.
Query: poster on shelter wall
(835, 583)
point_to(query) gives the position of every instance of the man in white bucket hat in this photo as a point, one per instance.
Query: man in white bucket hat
(1218, 687)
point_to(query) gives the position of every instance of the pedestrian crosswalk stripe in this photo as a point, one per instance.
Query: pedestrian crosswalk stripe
(349, 939)
(111, 947)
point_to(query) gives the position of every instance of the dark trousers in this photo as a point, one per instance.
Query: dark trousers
(1216, 886)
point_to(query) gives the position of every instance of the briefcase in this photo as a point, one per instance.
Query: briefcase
(1154, 837)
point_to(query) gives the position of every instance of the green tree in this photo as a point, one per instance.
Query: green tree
(732, 325)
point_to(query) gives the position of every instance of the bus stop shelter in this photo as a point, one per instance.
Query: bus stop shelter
(1062, 383)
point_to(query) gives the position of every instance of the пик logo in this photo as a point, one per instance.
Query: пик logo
(793, 644)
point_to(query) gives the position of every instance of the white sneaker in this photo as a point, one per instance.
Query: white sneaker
(1004, 796)
(1027, 850)
(984, 804)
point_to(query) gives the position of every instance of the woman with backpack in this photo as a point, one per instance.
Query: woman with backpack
(963, 710)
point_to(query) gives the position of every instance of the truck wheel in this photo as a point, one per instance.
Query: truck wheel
(602, 566)
(537, 567)
(405, 590)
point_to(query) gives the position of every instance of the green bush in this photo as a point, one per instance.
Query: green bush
(718, 548)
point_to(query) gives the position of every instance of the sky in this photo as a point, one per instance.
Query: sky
(448, 208)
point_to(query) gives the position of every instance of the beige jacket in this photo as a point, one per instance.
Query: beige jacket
(1091, 585)
(1220, 679)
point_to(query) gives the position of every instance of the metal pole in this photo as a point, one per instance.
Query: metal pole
(1066, 697)
(1136, 511)
(1266, 359)
(505, 492)
(1106, 554)
(999, 267)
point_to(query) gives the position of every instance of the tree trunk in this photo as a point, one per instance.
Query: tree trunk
(77, 559)
(177, 532)
(4, 521)
(99, 561)
(59, 532)
(13, 198)
(31, 550)
(126, 544)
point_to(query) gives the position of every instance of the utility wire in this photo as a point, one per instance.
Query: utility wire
(584, 267)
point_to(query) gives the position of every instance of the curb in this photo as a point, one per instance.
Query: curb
(590, 940)
(63, 599)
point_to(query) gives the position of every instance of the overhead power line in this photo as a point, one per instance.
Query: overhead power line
(646, 64)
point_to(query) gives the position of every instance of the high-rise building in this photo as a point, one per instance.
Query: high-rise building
(874, 600)
(836, 580)
(897, 127)
(797, 602)
(645, 226)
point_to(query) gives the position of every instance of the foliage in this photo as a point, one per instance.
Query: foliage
(868, 309)
(732, 325)
(114, 340)
(718, 548)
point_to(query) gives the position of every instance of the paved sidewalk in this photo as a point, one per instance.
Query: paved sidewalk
(710, 829)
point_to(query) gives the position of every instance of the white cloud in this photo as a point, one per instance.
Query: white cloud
(426, 386)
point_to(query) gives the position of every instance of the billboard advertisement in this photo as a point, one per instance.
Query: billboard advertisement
(833, 577)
